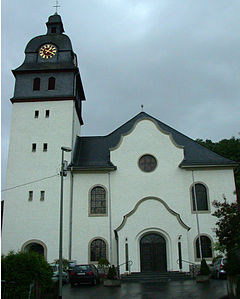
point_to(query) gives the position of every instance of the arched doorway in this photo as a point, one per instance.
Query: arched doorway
(153, 253)
(36, 246)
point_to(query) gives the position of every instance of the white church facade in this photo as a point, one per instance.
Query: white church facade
(133, 195)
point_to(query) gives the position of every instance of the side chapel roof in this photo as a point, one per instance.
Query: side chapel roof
(94, 152)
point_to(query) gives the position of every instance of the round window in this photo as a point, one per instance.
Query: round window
(147, 163)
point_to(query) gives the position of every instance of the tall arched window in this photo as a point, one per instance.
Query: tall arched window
(51, 83)
(36, 84)
(206, 245)
(98, 205)
(98, 249)
(202, 199)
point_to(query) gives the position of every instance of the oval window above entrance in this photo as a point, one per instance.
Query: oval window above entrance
(147, 163)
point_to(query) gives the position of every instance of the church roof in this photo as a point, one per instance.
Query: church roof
(94, 152)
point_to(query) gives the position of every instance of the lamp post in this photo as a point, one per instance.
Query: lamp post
(64, 149)
(196, 206)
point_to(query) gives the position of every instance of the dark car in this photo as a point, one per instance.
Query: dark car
(218, 269)
(84, 274)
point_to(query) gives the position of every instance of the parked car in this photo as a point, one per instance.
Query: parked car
(218, 270)
(55, 276)
(87, 273)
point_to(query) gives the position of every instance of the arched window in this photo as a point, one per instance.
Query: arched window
(98, 205)
(202, 200)
(98, 249)
(36, 84)
(206, 246)
(51, 83)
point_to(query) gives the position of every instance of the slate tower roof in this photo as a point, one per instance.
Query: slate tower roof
(61, 66)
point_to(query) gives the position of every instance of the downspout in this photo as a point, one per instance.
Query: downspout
(70, 216)
(110, 217)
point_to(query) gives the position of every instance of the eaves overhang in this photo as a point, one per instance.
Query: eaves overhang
(41, 99)
(184, 165)
(92, 168)
(54, 69)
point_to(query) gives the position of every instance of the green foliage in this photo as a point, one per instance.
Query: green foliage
(102, 262)
(228, 233)
(112, 273)
(233, 262)
(65, 263)
(219, 248)
(23, 268)
(204, 269)
(228, 228)
(228, 148)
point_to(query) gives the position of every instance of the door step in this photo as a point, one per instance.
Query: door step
(156, 276)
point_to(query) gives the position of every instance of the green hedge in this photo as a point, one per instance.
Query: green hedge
(21, 269)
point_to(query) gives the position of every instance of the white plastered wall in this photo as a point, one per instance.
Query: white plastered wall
(35, 220)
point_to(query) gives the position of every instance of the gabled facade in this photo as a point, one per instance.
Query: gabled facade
(131, 195)
(147, 171)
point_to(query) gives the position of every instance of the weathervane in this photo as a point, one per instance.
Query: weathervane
(56, 7)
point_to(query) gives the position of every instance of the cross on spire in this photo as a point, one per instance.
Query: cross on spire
(57, 5)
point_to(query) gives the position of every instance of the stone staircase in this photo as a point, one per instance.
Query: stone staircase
(148, 277)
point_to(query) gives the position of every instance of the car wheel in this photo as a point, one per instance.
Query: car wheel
(72, 284)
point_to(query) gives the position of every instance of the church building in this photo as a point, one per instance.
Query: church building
(135, 195)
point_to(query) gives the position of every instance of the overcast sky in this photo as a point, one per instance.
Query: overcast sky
(179, 58)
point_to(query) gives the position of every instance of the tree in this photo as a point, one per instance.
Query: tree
(230, 149)
(228, 232)
(21, 269)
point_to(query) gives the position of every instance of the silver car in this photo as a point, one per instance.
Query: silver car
(218, 270)
(55, 276)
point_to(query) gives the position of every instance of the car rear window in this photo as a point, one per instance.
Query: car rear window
(81, 267)
(224, 261)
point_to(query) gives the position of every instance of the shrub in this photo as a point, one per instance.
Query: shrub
(22, 269)
(112, 273)
(204, 269)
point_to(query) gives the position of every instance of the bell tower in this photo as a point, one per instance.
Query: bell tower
(49, 71)
(46, 115)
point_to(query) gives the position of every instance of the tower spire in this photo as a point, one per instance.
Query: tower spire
(57, 6)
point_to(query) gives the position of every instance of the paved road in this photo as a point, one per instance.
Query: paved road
(189, 289)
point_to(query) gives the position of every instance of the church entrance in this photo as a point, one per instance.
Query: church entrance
(153, 253)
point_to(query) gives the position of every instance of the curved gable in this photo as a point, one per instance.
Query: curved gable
(124, 134)
(128, 215)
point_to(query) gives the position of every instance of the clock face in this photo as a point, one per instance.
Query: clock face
(47, 51)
